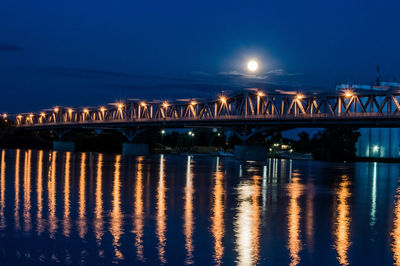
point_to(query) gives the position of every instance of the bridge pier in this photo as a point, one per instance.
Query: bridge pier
(135, 149)
(250, 153)
(63, 146)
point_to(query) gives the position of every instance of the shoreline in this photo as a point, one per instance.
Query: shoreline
(227, 154)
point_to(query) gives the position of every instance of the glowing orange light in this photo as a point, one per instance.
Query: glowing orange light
(165, 104)
(348, 94)
(4, 115)
(70, 110)
(222, 99)
(86, 111)
(42, 114)
(19, 116)
(102, 109)
(120, 106)
(56, 110)
(30, 115)
(193, 103)
(299, 96)
(261, 94)
(143, 104)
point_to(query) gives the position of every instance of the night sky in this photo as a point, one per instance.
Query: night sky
(84, 53)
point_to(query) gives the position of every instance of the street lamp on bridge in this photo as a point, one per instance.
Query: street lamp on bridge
(348, 94)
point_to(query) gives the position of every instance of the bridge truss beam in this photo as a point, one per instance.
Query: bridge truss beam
(247, 106)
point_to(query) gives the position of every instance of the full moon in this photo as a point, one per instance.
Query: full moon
(252, 65)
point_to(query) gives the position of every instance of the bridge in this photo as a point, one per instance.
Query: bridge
(245, 112)
(251, 107)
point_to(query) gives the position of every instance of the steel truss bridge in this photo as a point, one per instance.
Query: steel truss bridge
(246, 108)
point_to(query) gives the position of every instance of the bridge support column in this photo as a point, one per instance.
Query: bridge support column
(63, 146)
(135, 149)
(250, 153)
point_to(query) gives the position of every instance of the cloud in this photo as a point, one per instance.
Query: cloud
(279, 72)
(193, 84)
(85, 73)
(10, 47)
(199, 73)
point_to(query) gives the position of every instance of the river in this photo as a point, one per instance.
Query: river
(100, 209)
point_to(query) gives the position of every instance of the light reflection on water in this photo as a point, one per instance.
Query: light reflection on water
(295, 190)
(67, 191)
(247, 221)
(188, 221)
(16, 189)
(39, 193)
(2, 189)
(396, 230)
(342, 221)
(161, 213)
(89, 208)
(98, 218)
(217, 214)
(51, 188)
(138, 218)
(116, 229)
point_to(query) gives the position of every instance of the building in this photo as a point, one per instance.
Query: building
(376, 142)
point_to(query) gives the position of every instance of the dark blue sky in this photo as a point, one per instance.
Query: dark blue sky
(91, 52)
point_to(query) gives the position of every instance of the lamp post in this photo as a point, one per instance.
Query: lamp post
(162, 137)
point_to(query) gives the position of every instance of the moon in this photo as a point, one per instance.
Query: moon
(252, 65)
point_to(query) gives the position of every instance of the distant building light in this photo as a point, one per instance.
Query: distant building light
(120, 106)
(56, 109)
(193, 103)
(42, 114)
(70, 110)
(4, 115)
(260, 93)
(163, 131)
(102, 109)
(165, 104)
(222, 99)
(86, 111)
(375, 148)
(143, 104)
(299, 96)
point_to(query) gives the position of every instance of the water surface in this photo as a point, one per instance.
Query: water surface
(99, 209)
